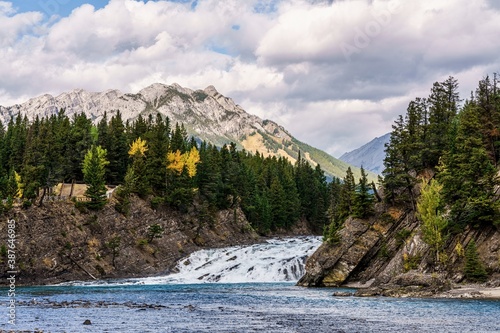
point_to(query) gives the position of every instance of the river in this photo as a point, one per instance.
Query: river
(229, 290)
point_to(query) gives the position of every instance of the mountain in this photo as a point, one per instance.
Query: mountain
(206, 114)
(370, 156)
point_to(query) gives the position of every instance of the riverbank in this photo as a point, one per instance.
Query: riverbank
(471, 291)
(445, 290)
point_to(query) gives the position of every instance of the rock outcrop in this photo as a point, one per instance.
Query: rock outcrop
(387, 255)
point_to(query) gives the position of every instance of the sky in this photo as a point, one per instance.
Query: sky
(334, 73)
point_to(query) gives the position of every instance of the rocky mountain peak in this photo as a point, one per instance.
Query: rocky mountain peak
(210, 90)
(206, 114)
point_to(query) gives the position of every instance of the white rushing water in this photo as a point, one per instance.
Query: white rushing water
(277, 260)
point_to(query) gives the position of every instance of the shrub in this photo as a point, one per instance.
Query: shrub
(154, 231)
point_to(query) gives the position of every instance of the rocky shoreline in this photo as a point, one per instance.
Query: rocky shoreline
(463, 291)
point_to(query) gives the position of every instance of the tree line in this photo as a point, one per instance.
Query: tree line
(158, 161)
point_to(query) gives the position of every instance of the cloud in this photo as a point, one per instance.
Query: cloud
(13, 27)
(335, 73)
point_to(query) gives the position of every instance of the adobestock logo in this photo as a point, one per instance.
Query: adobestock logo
(52, 7)
(365, 34)
(47, 7)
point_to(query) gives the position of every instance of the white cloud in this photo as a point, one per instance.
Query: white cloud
(335, 74)
(13, 27)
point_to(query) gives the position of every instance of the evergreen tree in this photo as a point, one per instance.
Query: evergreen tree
(264, 214)
(291, 196)
(158, 141)
(94, 169)
(396, 176)
(208, 174)
(487, 99)
(468, 174)
(180, 194)
(347, 196)
(103, 138)
(336, 221)
(154, 231)
(79, 142)
(140, 184)
(363, 204)
(54, 163)
(117, 150)
(33, 161)
(179, 139)
(277, 204)
(443, 107)
(474, 268)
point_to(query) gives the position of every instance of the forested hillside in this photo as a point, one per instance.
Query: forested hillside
(159, 162)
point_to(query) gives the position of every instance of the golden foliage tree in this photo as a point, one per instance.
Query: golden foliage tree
(138, 148)
(429, 212)
(177, 161)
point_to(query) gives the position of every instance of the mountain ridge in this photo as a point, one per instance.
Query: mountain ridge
(206, 114)
(370, 155)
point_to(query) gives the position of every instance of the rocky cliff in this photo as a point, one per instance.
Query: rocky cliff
(57, 242)
(387, 254)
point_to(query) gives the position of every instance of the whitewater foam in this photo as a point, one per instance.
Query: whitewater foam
(276, 260)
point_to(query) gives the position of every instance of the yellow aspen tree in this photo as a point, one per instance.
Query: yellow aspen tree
(175, 161)
(138, 148)
(192, 158)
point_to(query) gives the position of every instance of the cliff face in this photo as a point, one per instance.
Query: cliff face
(388, 250)
(58, 243)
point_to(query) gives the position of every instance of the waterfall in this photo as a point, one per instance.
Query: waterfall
(277, 260)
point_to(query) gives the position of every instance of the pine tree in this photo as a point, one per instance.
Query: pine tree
(117, 150)
(395, 173)
(94, 169)
(158, 139)
(137, 152)
(79, 142)
(443, 107)
(179, 139)
(334, 216)
(154, 231)
(347, 196)
(277, 204)
(208, 174)
(468, 174)
(487, 99)
(363, 204)
(474, 269)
